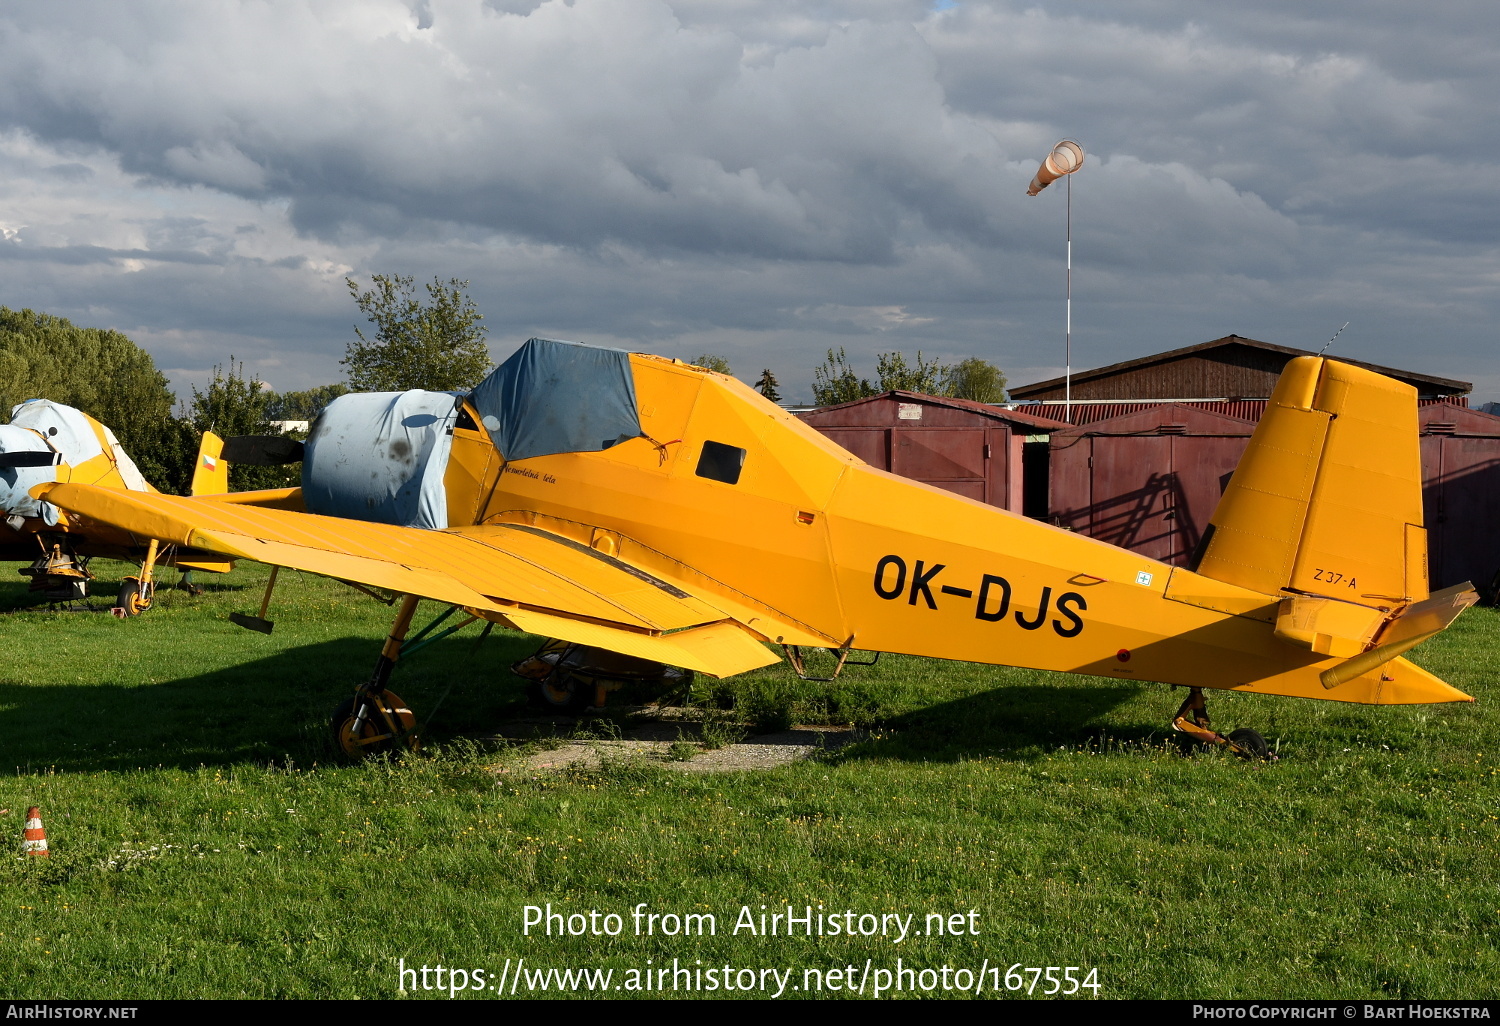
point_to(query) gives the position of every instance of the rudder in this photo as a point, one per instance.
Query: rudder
(1324, 513)
(1327, 500)
(210, 470)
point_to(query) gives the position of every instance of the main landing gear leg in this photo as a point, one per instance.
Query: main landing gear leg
(376, 719)
(1192, 720)
(136, 593)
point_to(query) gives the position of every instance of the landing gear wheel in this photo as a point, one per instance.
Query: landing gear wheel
(562, 693)
(1192, 724)
(356, 739)
(132, 599)
(1250, 742)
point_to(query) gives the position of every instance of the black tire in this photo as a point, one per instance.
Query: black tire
(341, 727)
(1250, 741)
(132, 600)
(562, 693)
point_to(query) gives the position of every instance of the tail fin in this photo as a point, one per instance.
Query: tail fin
(210, 471)
(1327, 500)
(1325, 512)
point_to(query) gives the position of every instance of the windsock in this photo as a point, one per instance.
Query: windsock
(1065, 158)
(36, 838)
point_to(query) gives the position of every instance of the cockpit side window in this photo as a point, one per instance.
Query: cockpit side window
(720, 462)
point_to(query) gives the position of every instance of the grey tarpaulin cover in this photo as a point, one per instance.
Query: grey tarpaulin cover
(38, 425)
(552, 397)
(380, 456)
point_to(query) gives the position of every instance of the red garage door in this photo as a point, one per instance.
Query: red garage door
(1146, 481)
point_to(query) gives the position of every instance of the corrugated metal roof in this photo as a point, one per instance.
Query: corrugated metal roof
(1167, 418)
(1091, 411)
(997, 411)
(1436, 384)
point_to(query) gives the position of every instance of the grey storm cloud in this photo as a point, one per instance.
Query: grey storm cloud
(571, 125)
(754, 178)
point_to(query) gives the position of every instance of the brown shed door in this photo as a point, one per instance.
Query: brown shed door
(1069, 488)
(1134, 494)
(951, 458)
(1461, 504)
(998, 474)
(1154, 494)
(1202, 466)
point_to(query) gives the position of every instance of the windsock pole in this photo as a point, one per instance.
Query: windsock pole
(35, 842)
(1068, 330)
(1065, 158)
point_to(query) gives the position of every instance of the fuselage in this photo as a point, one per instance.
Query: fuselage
(86, 452)
(730, 497)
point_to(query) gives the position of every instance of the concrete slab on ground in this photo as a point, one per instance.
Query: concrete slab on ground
(651, 741)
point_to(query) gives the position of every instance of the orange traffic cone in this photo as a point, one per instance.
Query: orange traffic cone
(36, 837)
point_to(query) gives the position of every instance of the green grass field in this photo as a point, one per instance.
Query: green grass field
(206, 843)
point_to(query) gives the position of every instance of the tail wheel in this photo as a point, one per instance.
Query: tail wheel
(133, 599)
(1250, 743)
(357, 736)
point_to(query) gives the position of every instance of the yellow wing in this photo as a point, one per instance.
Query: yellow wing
(529, 578)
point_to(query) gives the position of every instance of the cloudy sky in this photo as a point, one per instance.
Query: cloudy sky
(759, 180)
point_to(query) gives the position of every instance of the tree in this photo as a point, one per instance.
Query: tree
(303, 405)
(768, 386)
(231, 405)
(835, 381)
(974, 379)
(896, 373)
(437, 346)
(104, 374)
(235, 405)
(713, 363)
(171, 456)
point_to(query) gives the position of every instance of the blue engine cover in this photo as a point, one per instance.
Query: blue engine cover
(380, 456)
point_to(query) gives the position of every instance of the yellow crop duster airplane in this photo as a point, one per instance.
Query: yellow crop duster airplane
(649, 507)
(46, 442)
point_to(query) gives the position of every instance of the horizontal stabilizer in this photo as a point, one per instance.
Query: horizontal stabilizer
(1404, 632)
(1327, 626)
